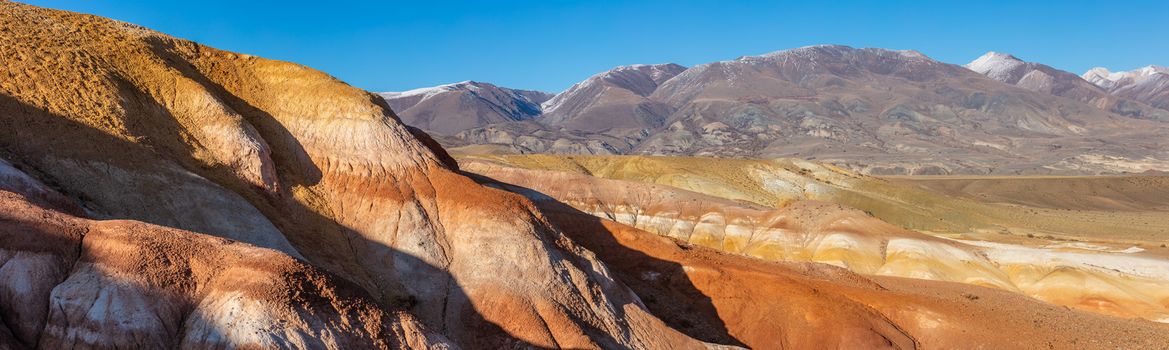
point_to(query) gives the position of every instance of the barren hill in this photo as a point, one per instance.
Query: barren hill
(999, 290)
(1149, 84)
(1096, 254)
(448, 109)
(1042, 78)
(158, 193)
(132, 124)
(593, 104)
(872, 110)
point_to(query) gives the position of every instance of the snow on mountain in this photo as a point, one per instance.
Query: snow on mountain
(616, 99)
(451, 108)
(1102, 77)
(426, 92)
(997, 66)
(1109, 80)
(641, 79)
(999, 114)
(1092, 87)
(1149, 84)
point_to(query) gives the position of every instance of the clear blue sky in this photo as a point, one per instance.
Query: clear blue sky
(548, 45)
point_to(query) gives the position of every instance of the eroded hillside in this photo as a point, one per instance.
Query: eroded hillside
(157, 193)
(771, 210)
(133, 124)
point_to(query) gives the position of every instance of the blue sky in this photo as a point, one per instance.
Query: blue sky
(548, 45)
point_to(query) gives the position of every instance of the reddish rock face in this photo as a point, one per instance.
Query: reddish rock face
(156, 193)
(730, 298)
(69, 282)
(132, 124)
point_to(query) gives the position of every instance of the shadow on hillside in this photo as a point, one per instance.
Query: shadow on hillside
(37, 141)
(365, 262)
(295, 159)
(662, 285)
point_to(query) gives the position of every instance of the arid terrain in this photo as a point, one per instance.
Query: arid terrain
(870, 110)
(159, 193)
(1102, 251)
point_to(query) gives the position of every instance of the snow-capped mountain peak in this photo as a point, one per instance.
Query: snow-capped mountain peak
(451, 108)
(1148, 84)
(998, 66)
(640, 79)
(1102, 77)
(1150, 70)
(428, 91)
(1110, 80)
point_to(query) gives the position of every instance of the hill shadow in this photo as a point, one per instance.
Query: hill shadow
(662, 285)
(35, 141)
(317, 236)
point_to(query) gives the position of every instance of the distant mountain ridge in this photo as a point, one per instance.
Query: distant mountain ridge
(589, 105)
(464, 105)
(869, 109)
(1149, 84)
(1042, 78)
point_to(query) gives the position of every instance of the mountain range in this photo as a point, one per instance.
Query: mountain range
(872, 110)
(460, 106)
(158, 193)
(1149, 84)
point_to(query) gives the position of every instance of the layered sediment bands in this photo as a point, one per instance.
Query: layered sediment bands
(133, 124)
(1109, 282)
(92, 107)
(68, 282)
(770, 305)
(1094, 207)
(32, 190)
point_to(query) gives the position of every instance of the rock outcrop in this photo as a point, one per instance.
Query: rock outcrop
(131, 124)
(68, 282)
(1091, 277)
(731, 299)
(157, 193)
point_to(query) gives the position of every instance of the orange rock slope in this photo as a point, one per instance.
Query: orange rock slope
(68, 282)
(133, 124)
(768, 305)
(1119, 280)
(715, 296)
(157, 193)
